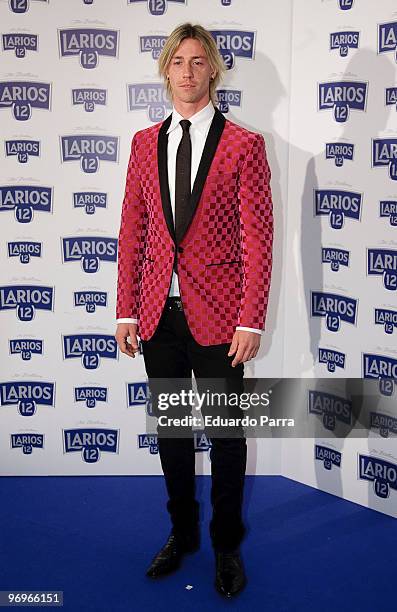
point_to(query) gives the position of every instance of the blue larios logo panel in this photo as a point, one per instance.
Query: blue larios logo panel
(89, 348)
(234, 43)
(88, 44)
(90, 395)
(337, 205)
(20, 43)
(343, 41)
(27, 395)
(384, 155)
(27, 441)
(26, 299)
(383, 262)
(328, 456)
(22, 149)
(335, 308)
(332, 408)
(26, 347)
(342, 97)
(91, 442)
(333, 359)
(382, 474)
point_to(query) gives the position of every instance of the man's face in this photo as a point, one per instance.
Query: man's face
(189, 72)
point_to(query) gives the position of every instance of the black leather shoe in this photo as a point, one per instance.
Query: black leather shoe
(230, 578)
(168, 559)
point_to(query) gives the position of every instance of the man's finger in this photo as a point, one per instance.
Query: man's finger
(233, 347)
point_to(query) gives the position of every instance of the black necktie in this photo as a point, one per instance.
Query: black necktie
(182, 179)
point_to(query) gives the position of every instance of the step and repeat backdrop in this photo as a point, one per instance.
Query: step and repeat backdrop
(341, 275)
(318, 80)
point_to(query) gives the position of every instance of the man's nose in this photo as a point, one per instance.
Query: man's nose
(187, 71)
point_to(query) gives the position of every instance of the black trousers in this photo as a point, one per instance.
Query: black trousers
(172, 353)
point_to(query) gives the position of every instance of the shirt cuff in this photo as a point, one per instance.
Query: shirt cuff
(127, 321)
(257, 331)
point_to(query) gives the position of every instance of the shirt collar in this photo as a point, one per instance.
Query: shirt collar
(199, 120)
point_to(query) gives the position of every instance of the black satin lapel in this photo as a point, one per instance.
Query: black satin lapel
(162, 143)
(211, 144)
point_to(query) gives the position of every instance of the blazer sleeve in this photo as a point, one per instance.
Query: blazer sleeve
(256, 233)
(131, 241)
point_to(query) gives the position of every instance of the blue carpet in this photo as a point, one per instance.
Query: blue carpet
(93, 538)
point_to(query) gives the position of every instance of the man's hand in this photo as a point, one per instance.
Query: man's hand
(123, 331)
(246, 343)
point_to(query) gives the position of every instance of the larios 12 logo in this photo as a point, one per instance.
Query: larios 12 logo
(327, 456)
(344, 41)
(153, 44)
(382, 368)
(331, 407)
(89, 149)
(388, 210)
(387, 37)
(391, 96)
(26, 299)
(89, 98)
(384, 154)
(88, 44)
(22, 149)
(22, 6)
(339, 152)
(90, 200)
(234, 43)
(386, 317)
(228, 98)
(151, 97)
(27, 395)
(337, 205)
(22, 96)
(138, 394)
(90, 299)
(386, 423)
(202, 442)
(89, 348)
(335, 308)
(27, 441)
(332, 358)
(382, 474)
(90, 395)
(90, 442)
(89, 250)
(336, 257)
(149, 441)
(383, 262)
(24, 249)
(20, 42)
(26, 347)
(24, 200)
(342, 96)
(157, 7)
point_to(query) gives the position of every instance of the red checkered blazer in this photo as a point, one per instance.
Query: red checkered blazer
(224, 259)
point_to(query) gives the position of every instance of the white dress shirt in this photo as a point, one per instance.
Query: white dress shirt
(200, 125)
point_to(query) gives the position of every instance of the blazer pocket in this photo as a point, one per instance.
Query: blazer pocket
(223, 263)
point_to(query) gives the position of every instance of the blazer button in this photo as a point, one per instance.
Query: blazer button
(173, 248)
(180, 249)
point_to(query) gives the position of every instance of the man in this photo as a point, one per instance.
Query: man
(194, 263)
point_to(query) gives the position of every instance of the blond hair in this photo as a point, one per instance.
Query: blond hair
(188, 30)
